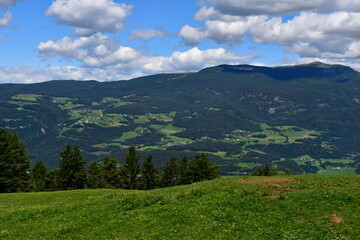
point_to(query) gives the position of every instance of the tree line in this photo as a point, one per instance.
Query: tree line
(73, 172)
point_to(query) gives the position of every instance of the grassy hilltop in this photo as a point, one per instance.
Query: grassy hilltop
(295, 207)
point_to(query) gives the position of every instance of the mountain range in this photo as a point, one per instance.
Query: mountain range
(302, 117)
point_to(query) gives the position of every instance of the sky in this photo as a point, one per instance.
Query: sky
(109, 40)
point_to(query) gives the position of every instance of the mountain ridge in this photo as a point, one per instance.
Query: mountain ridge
(224, 110)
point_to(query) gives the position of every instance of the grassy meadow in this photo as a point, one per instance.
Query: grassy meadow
(295, 207)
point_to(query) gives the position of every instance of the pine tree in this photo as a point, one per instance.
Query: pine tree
(266, 171)
(109, 173)
(129, 171)
(14, 167)
(72, 174)
(183, 171)
(38, 176)
(149, 174)
(201, 169)
(93, 176)
(79, 163)
(170, 176)
(52, 180)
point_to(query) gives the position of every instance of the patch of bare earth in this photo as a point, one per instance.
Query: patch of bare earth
(335, 220)
(276, 185)
(268, 181)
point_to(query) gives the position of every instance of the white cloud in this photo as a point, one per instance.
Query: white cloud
(26, 74)
(193, 59)
(21, 74)
(99, 52)
(210, 13)
(70, 48)
(319, 29)
(146, 35)
(192, 36)
(95, 51)
(313, 34)
(280, 7)
(308, 26)
(89, 16)
(6, 19)
(229, 32)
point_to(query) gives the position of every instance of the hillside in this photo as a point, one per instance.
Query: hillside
(301, 207)
(301, 117)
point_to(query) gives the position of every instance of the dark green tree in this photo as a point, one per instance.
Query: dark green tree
(14, 167)
(170, 176)
(183, 171)
(149, 174)
(51, 180)
(109, 173)
(94, 176)
(201, 168)
(267, 170)
(72, 174)
(130, 169)
(38, 175)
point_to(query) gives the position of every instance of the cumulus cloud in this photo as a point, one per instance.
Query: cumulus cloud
(146, 35)
(98, 51)
(89, 16)
(26, 74)
(319, 28)
(21, 74)
(280, 7)
(229, 32)
(95, 51)
(313, 34)
(193, 59)
(6, 19)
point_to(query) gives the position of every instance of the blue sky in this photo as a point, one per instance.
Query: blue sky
(110, 40)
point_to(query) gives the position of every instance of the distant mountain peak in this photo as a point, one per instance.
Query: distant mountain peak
(318, 70)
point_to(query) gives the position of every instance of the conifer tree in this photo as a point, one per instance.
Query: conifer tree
(14, 167)
(52, 180)
(266, 171)
(201, 169)
(130, 169)
(38, 176)
(149, 174)
(183, 171)
(93, 176)
(170, 175)
(109, 173)
(72, 174)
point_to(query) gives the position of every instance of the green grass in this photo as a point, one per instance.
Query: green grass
(179, 139)
(172, 114)
(170, 129)
(22, 104)
(329, 170)
(127, 135)
(62, 100)
(70, 105)
(295, 207)
(27, 97)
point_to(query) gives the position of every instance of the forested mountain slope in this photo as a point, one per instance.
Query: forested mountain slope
(303, 117)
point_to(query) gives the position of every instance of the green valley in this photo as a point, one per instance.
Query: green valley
(303, 118)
